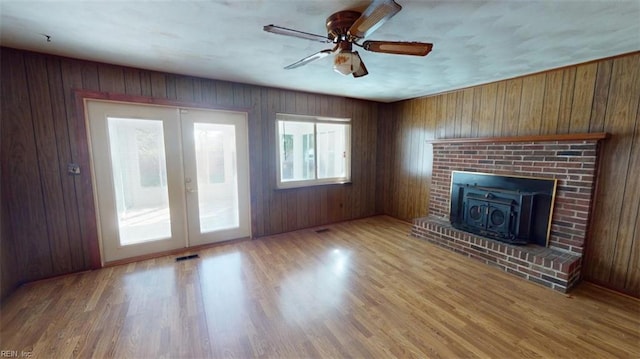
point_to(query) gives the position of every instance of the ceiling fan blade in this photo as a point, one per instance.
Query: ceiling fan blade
(398, 47)
(295, 33)
(373, 17)
(308, 59)
(362, 70)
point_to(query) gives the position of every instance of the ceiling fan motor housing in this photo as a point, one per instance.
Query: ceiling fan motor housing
(338, 24)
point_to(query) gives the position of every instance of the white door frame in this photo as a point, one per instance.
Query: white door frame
(107, 222)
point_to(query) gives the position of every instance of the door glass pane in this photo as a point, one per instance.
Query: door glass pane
(297, 157)
(140, 179)
(217, 176)
(332, 149)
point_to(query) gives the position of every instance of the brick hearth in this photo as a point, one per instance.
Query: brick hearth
(573, 162)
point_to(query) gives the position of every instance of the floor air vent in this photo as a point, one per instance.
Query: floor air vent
(322, 230)
(184, 258)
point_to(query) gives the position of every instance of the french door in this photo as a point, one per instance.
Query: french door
(167, 177)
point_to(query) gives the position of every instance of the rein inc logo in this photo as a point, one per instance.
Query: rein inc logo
(15, 354)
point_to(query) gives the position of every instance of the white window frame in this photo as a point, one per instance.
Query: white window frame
(313, 182)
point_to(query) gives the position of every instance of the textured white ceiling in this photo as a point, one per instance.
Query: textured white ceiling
(474, 41)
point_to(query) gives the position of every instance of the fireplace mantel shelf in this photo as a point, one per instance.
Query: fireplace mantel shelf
(536, 138)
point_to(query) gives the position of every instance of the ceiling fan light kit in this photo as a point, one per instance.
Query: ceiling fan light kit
(347, 63)
(345, 29)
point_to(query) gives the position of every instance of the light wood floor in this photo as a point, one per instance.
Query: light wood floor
(362, 289)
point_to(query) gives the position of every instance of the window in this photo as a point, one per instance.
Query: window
(209, 142)
(138, 152)
(313, 150)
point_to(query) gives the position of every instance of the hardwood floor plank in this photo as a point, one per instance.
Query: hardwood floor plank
(362, 288)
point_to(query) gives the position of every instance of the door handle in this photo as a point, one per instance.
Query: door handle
(191, 190)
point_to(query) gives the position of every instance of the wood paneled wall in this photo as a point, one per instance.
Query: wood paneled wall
(9, 277)
(601, 96)
(49, 215)
(45, 231)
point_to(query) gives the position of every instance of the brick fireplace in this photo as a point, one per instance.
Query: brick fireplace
(569, 159)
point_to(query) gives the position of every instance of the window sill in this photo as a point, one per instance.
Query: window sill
(303, 186)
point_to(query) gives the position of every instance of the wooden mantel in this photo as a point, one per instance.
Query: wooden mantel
(536, 138)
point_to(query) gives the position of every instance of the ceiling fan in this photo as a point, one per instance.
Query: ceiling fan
(347, 28)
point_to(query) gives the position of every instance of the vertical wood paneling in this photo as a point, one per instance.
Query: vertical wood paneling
(238, 96)
(551, 105)
(59, 118)
(20, 169)
(342, 194)
(403, 168)
(10, 270)
(74, 74)
(405, 151)
(107, 77)
(428, 125)
(288, 105)
(583, 97)
(487, 110)
(422, 159)
(601, 93)
(593, 97)
(372, 168)
(531, 104)
(184, 89)
(358, 158)
(384, 159)
(52, 213)
(499, 117)
(208, 93)
(276, 206)
(197, 90)
(48, 163)
(512, 107)
(467, 113)
(446, 114)
(111, 78)
(322, 194)
(265, 99)
(300, 105)
(89, 75)
(10, 275)
(170, 83)
(158, 85)
(256, 142)
(368, 165)
(414, 143)
(477, 107)
(458, 112)
(632, 283)
(566, 100)
(390, 204)
(616, 211)
(145, 84)
(224, 94)
(132, 82)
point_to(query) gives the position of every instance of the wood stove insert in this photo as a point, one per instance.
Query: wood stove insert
(515, 210)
